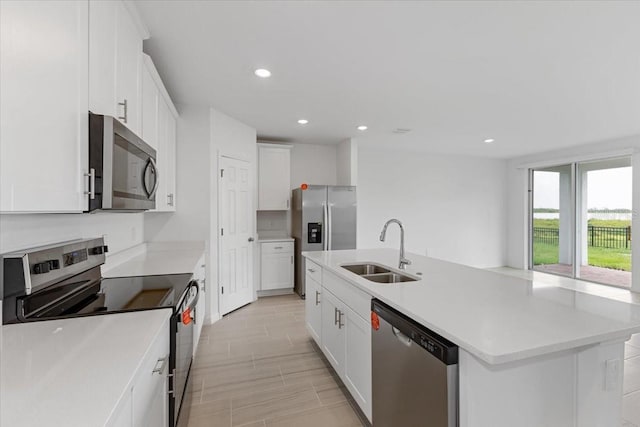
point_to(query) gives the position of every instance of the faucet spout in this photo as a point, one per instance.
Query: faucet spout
(403, 261)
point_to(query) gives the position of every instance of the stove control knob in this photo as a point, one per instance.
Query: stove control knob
(98, 250)
(54, 264)
(41, 267)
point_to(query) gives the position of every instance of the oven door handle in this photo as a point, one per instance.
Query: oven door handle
(194, 302)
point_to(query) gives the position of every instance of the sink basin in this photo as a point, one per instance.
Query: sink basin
(388, 278)
(364, 269)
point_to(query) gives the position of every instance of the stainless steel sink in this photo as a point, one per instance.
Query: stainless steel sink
(363, 269)
(377, 273)
(388, 278)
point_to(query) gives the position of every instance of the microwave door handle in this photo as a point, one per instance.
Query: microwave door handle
(157, 180)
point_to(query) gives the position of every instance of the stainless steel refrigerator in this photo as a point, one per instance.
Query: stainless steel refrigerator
(323, 218)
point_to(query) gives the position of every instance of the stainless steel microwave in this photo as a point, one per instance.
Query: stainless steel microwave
(123, 175)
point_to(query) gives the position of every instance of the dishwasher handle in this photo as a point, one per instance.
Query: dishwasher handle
(401, 337)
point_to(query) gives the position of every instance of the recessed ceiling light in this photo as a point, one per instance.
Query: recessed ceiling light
(362, 127)
(303, 121)
(261, 72)
(489, 140)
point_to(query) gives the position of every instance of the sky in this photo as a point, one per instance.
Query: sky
(608, 188)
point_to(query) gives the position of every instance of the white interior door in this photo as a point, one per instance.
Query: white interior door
(236, 234)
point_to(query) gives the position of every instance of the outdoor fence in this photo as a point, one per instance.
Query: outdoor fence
(600, 237)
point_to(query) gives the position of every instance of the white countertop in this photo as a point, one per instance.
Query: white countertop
(155, 259)
(496, 317)
(275, 239)
(73, 372)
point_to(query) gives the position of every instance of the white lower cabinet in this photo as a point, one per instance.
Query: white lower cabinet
(146, 402)
(313, 309)
(345, 334)
(276, 265)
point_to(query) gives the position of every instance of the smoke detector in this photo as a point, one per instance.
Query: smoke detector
(401, 130)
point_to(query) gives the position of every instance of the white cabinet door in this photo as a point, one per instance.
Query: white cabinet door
(277, 271)
(150, 97)
(128, 69)
(115, 63)
(43, 106)
(102, 61)
(313, 309)
(333, 337)
(357, 365)
(157, 411)
(274, 186)
(123, 414)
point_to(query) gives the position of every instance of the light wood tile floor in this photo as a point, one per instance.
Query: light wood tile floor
(259, 367)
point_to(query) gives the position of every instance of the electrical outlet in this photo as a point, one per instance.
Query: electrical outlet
(611, 374)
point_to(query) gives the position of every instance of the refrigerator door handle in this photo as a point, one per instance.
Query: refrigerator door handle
(325, 226)
(329, 226)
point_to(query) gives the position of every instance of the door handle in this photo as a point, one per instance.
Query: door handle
(401, 337)
(92, 183)
(124, 106)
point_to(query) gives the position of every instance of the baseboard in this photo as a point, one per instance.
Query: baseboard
(275, 292)
(210, 320)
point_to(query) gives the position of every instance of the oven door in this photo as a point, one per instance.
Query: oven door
(183, 321)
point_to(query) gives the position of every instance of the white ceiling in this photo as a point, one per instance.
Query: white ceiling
(532, 75)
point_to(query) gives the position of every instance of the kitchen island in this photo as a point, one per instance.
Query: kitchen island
(530, 353)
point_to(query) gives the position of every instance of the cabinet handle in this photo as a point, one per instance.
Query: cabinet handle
(335, 316)
(291, 259)
(92, 183)
(287, 204)
(311, 270)
(124, 106)
(340, 324)
(170, 199)
(278, 247)
(317, 296)
(160, 364)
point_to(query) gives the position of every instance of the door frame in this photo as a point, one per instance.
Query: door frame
(219, 157)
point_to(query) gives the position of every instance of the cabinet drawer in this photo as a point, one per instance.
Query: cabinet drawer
(277, 247)
(359, 301)
(313, 270)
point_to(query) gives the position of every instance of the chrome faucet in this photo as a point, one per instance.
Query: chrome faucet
(403, 261)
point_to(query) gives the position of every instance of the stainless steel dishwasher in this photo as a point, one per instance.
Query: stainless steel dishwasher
(415, 372)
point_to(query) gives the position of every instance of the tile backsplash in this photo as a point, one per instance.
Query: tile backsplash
(272, 221)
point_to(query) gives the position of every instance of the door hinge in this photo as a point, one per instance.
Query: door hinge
(221, 173)
(222, 231)
(222, 291)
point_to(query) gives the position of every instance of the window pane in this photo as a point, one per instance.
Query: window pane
(552, 242)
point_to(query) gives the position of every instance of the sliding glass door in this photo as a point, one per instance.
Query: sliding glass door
(552, 220)
(581, 220)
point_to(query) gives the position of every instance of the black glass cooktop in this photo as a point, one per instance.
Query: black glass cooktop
(143, 292)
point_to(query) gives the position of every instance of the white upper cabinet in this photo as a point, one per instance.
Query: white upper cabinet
(159, 130)
(150, 96)
(115, 62)
(43, 106)
(274, 177)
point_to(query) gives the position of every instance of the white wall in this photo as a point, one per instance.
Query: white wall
(22, 231)
(452, 207)
(517, 176)
(313, 164)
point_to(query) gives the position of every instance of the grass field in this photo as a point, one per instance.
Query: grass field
(619, 259)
